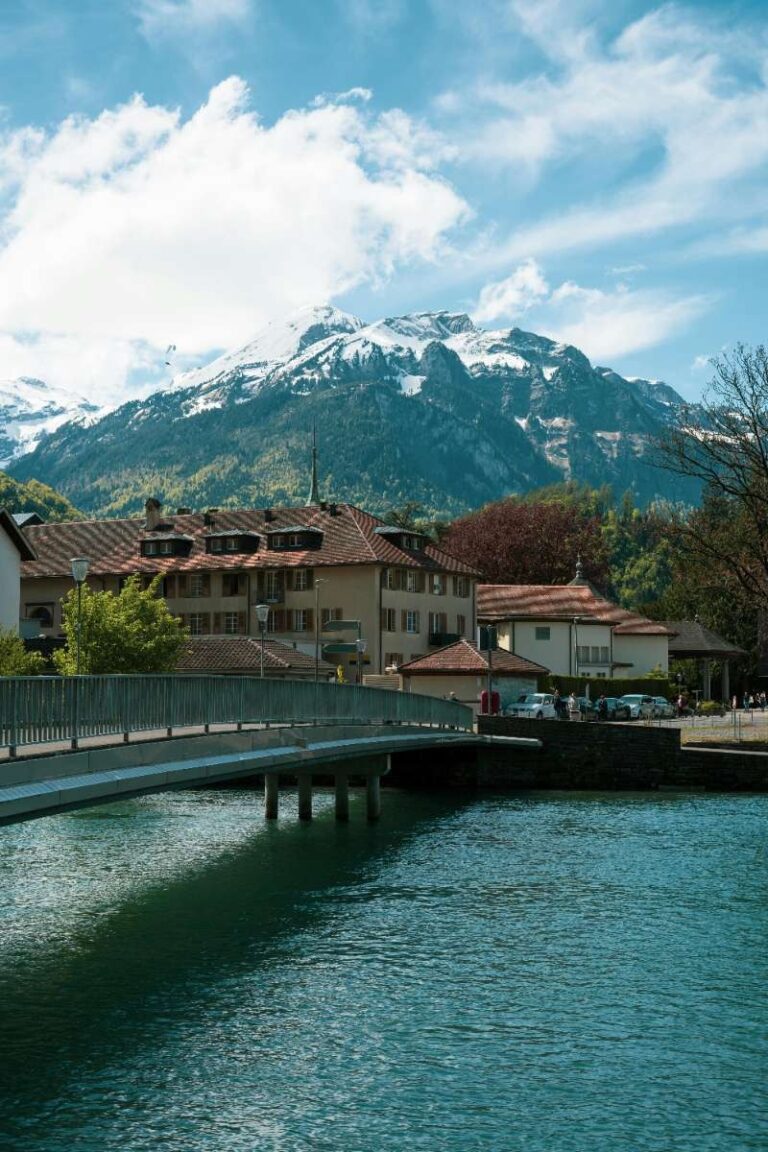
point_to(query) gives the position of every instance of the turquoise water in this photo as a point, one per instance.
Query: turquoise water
(554, 972)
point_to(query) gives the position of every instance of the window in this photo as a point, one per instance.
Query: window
(166, 547)
(388, 620)
(461, 624)
(604, 656)
(199, 584)
(273, 586)
(437, 584)
(216, 544)
(232, 623)
(393, 659)
(232, 543)
(414, 581)
(302, 620)
(394, 579)
(150, 547)
(414, 543)
(199, 623)
(595, 654)
(411, 621)
(582, 653)
(543, 633)
(461, 586)
(327, 614)
(233, 584)
(302, 579)
(438, 622)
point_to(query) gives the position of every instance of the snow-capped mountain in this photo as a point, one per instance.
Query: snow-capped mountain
(30, 409)
(427, 407)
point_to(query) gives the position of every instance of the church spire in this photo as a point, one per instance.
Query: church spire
(314, 491)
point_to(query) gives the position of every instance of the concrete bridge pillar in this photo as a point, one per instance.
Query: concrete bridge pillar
(271, 793)
(342, 796)
(305, 796)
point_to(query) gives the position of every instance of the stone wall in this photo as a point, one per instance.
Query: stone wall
(602, 756)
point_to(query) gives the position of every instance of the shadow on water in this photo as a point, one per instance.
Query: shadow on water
(156, 954)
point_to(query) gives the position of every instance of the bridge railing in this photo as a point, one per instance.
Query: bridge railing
(53, 709)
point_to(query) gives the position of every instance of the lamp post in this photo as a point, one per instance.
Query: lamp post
(262, 615)
(576, 648)
(317, 628)
(79, 565)
(361, 646)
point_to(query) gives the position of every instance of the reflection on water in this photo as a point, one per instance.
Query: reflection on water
(549, 972)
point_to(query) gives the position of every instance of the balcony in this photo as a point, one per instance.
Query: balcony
(440, 639)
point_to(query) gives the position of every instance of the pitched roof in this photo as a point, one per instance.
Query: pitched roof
(243, 654)
(463, 658)
(22, 545)
(692, 639)
(348, 537)
(561, 602)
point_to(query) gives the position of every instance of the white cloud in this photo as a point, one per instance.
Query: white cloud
(178, 18)
(140, 226)
(673, 111)
(512, 297)
(603, 324)
(607, 325)
(701, 363)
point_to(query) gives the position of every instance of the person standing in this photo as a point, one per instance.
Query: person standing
(573, 708)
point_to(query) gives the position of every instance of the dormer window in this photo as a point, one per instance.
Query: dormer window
(170, 545)
(218, 542)
(300, 538)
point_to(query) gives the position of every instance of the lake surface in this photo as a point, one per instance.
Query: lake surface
(547, 973)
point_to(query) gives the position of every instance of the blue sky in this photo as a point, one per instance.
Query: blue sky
(181, 171)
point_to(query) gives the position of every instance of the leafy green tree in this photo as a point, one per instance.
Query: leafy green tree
(14, 658)
(132, 631)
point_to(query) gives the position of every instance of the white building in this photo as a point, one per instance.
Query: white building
(573, 630)
(13, 549)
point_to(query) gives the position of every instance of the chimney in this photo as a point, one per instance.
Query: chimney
(209, 518)
(333, 509)
(268, 515)
(323, 505)
(153, 508)
(183, 511)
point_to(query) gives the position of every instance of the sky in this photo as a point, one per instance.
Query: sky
(182, 171)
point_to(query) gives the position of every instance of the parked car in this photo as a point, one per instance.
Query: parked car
(662, 709)
(640, 707)
(587, 707)
(617, 709)
(534, 705)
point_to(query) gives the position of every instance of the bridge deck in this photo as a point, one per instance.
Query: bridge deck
(43, 785)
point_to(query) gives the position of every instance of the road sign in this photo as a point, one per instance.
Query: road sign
(337, 649)
(340, 625)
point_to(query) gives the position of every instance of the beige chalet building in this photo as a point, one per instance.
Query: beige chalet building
(310, 565)
(574, 630)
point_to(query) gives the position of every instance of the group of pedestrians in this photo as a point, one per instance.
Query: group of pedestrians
(750, 702)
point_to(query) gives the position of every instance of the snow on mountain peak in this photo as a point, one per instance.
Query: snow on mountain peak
(30, 408)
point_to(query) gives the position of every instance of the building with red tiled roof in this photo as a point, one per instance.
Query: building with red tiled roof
(462, 670)
(324, 562)
(242, 655)
(574, 629)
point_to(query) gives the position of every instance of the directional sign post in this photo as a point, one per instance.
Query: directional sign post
(338, 649)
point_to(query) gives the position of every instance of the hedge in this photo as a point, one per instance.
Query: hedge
(632, 686)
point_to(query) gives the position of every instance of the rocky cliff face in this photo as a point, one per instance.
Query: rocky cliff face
(423, 407)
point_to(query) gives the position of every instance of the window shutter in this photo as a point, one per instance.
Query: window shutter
(403, 620)
(310, 619)
(289, 580)
(417, 619)
(278, 620)
(183, 581)
(242, 584)
(217, 622)
(206, 584)
(241, 623)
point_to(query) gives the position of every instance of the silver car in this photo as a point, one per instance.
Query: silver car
(534, 705)
(662, 709)
(640, 707)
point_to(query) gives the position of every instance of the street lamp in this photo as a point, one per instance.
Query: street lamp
(79, 565)
(262, 615)
(317, 628)
(361, 646)
(576, 648)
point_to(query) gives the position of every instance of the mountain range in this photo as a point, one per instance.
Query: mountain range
(425, 407)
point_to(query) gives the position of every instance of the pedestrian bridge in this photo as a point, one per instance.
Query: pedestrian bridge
(72, 742)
